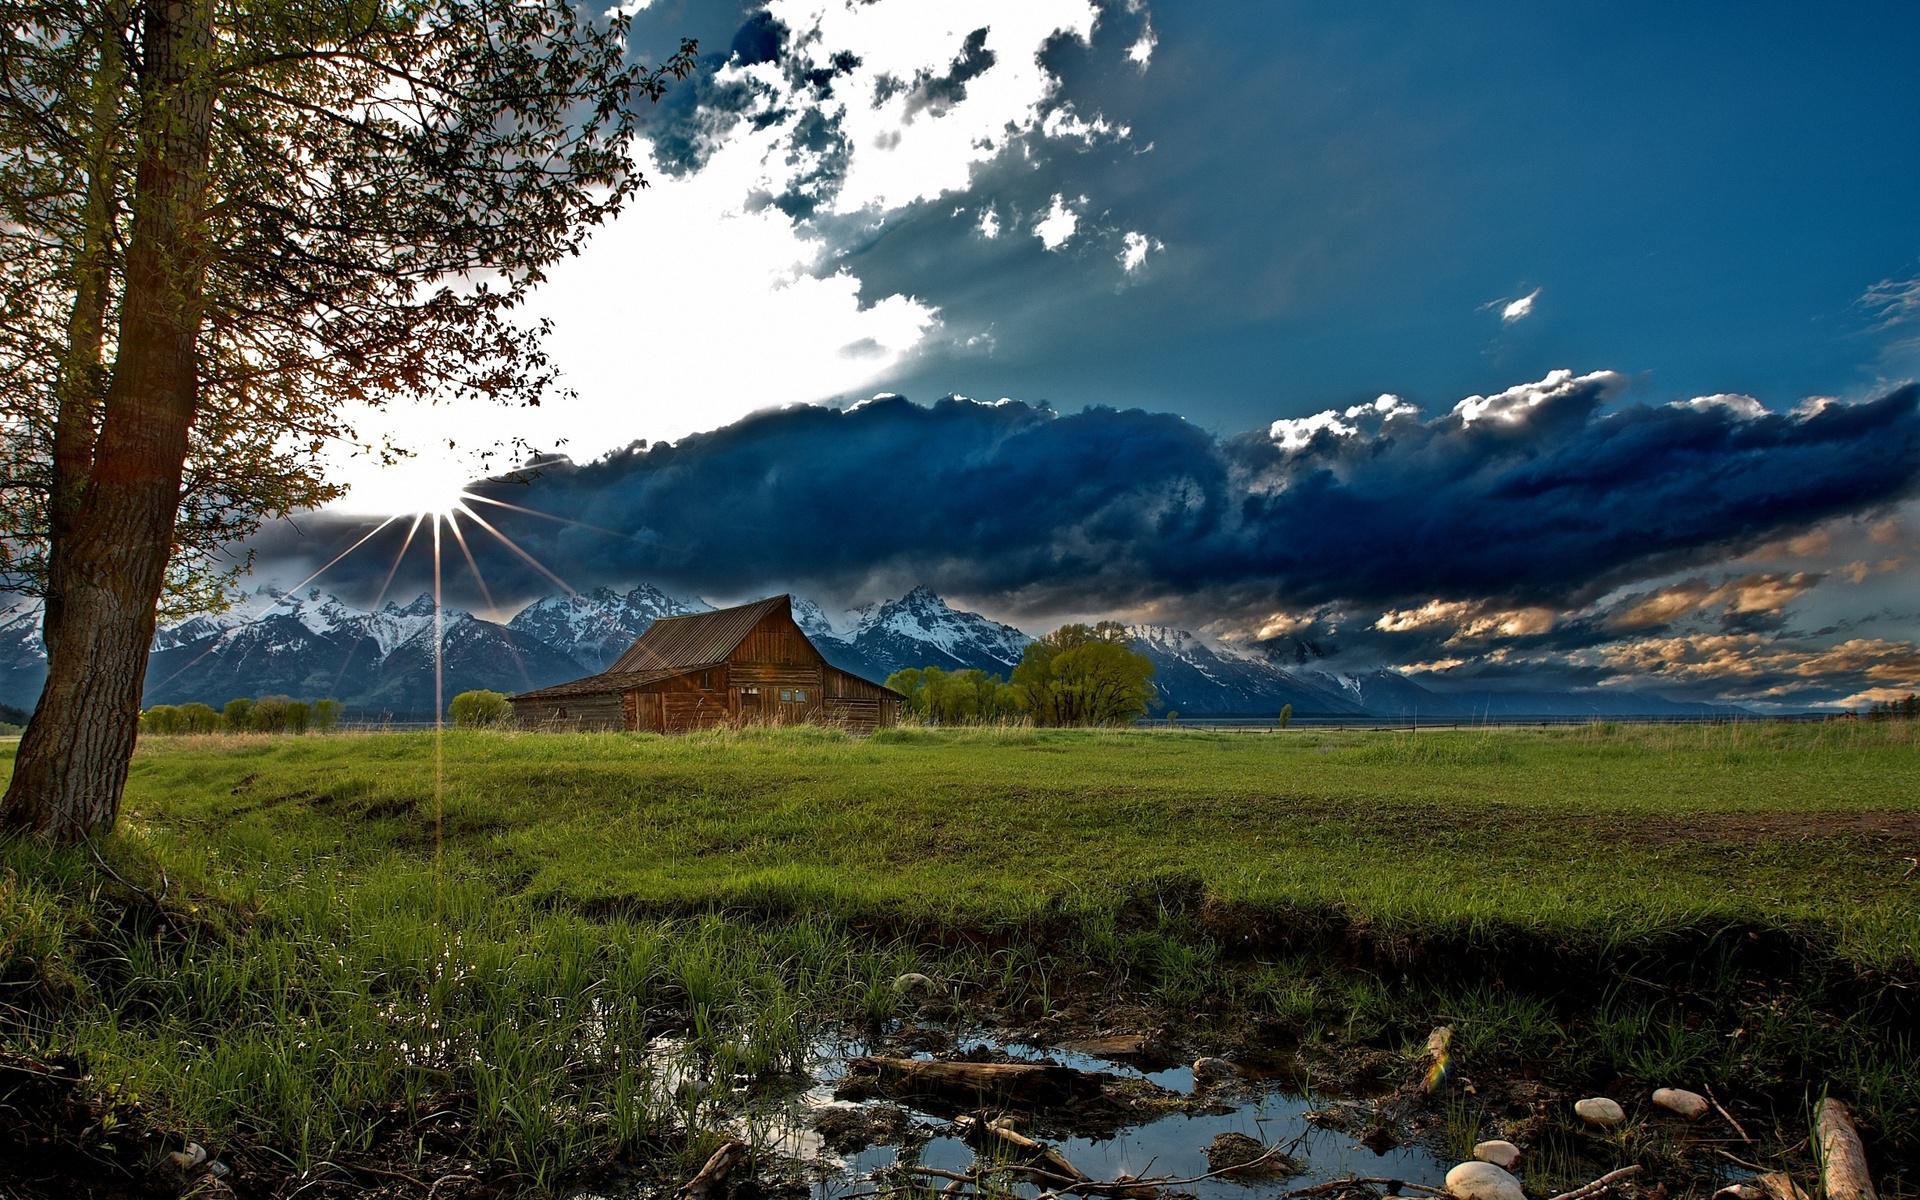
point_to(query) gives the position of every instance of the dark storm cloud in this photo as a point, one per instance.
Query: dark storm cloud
(1542, 499)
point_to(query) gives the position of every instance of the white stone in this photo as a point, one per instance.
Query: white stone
(1483, 1181)
(912, 981)
(1502, 1154)
(1681, 1102)
(1598, 1110)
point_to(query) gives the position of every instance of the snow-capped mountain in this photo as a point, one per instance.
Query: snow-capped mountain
(922, 630)
(315, 644)
(814, 621)
(1197, 677)
(596, 627)
(1390, 694)
(23, 659)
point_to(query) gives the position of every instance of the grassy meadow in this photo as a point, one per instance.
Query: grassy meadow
(308, 951)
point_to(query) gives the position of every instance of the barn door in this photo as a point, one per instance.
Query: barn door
(751, 707)
(646, 716)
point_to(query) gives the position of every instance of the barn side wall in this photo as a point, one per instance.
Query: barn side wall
(593, 711)
(856, 705)
(687, 705)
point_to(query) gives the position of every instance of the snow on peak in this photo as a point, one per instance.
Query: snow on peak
(923, 617)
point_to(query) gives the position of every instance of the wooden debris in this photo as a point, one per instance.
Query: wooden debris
(713, 1176)
(1780, 1186)
(1843, 1160)
(1019, 1083)
(1722, 1110)
(1046, 1157)
(1600, 1185)
(1115, 1045)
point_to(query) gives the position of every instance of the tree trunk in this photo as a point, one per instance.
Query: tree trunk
(73, 757)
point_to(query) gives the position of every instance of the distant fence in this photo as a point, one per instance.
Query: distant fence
(1513, 721)
(1264, 724)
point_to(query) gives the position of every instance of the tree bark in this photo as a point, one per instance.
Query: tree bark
(113, 554)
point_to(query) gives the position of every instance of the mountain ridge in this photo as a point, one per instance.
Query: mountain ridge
(380, 661)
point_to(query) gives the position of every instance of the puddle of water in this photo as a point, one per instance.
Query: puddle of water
(1171, 1145)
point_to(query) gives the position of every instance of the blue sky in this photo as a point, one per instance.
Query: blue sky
(1556, 343)
(1702, 195)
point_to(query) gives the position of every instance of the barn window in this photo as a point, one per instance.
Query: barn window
(706, 680)
(786, 695)
(749, 691)
(800, 694)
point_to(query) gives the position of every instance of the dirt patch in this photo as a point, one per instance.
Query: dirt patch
(1898, 828)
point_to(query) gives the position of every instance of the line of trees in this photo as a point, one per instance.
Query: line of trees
(1076, 675)
(244, 714)
(1904, 709)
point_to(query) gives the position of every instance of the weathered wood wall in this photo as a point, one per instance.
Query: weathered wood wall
(856, 705)
(597, 711)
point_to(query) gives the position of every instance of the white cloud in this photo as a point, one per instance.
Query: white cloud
(1064, 122)
(1057, 227)
(627, 8)
(691, 310)
(896, 156)
(1141, 52)
(1295, 432)
(702, 302)
(1892, 302)
(1517, 403)
(1743, 406)
(1386, 406)
(1135, 247)
(1520, 309)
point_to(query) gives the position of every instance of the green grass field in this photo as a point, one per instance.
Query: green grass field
(289, 936)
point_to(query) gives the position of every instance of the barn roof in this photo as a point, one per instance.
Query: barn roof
(606, 681)
(676, 644)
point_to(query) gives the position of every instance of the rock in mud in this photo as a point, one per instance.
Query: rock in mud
(1483, 1181)
(1243, 1157)
(1214, 1070)
(1681, 1102)
(1500, 1153)
(848, 1130)
(1598, 1110)
(912, 983)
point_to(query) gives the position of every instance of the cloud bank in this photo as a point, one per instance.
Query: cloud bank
(1539, 497)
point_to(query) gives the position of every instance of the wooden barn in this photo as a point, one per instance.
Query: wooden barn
(735, 666)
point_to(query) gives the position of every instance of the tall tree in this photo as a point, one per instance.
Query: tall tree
(1084, 675)
(224, 225)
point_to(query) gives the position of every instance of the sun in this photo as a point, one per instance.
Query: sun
(425, 484)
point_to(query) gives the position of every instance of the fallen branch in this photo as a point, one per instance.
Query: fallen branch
(979, 1129)
(1737, 1127)
(713, 1175)
(1600, 1185)
(1393, 1186)
(1028, 1083)
(1129, 1185)
(1843, 1160)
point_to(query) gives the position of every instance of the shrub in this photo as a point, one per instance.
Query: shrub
(479, 708)
(198, 718)
(238, 714)
(272, 714)
(326, 715)
(162, 719)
